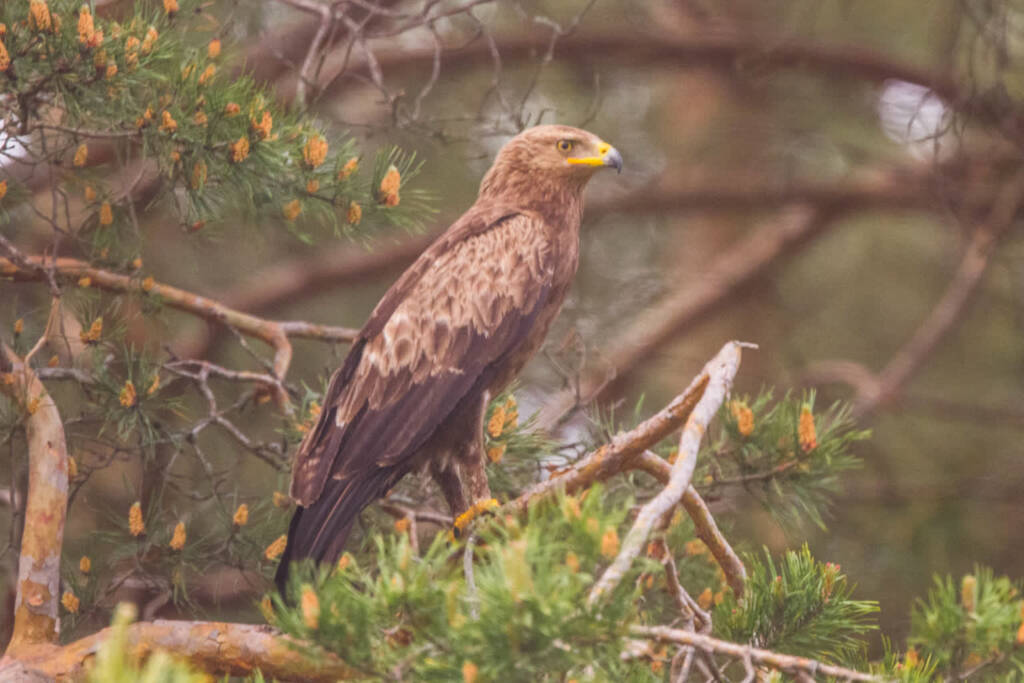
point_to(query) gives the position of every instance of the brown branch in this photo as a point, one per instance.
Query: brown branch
(216, 647)
(286, 281)
(35, 606)
(721, 370)
(730, 52)
(775, 660)
(292, 280)
(272, 333)
(704, 524)
(765, 249)
(896, 188)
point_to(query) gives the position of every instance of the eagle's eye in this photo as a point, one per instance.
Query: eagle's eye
(564, 145)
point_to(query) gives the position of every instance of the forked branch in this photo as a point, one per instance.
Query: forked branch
(720, 372)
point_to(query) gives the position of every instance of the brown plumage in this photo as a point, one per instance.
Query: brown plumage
(454, 330)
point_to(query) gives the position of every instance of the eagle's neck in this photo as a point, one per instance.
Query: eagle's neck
(559, 200)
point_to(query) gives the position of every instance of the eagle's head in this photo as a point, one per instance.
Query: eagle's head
(547, 156)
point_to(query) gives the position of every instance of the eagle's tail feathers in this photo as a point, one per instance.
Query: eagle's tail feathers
(320, 530)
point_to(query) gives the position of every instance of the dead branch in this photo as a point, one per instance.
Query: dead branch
(775, 660)
(313, 59)
(38, 592)
(659, 324)
(704, 524)
(720, 370)
(216, 647)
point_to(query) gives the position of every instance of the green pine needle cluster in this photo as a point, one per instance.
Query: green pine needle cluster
(799, 606)
(759, 447)
(525, 619)
(974, 627)
(219, 141)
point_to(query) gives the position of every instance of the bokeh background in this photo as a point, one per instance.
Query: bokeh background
(834, 180)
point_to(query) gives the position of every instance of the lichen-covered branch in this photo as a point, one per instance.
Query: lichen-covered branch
(617, 455)
(216, 647)
(704, 524)
(775, 660)
(35, 606)
(720, 370)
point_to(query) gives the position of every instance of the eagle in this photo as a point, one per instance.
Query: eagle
(450, 333)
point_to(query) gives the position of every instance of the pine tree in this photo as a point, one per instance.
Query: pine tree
(579, 570)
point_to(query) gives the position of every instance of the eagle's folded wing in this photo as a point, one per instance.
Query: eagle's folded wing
(439, 334)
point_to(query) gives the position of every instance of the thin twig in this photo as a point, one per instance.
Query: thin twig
(775, 660)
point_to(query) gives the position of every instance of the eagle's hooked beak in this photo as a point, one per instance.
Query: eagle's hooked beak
(610, 156)
(606, 156)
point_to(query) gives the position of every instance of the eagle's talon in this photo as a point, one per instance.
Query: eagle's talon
(478, 508)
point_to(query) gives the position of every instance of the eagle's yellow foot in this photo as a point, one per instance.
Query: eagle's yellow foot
(477, 508)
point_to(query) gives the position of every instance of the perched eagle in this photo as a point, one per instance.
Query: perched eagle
(452, 332)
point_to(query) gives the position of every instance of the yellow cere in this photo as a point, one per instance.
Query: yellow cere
(598, 160)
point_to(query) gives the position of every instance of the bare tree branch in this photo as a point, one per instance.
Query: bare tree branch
(273, 333)
(617, 455)
(775, 660)
(874, 390)
(720, 370)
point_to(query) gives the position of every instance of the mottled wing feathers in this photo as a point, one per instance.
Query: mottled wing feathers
(437, 334)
